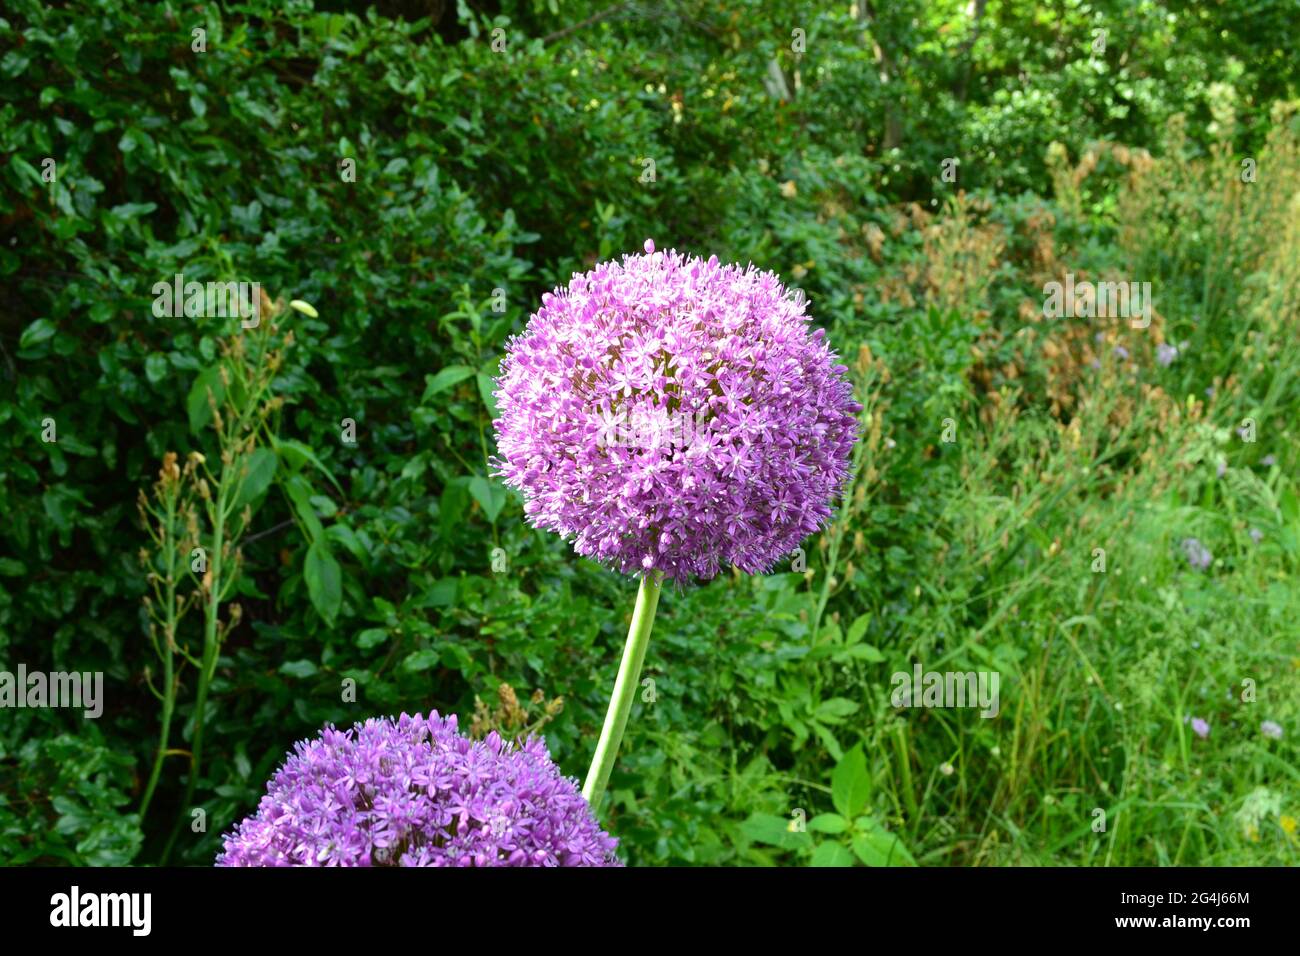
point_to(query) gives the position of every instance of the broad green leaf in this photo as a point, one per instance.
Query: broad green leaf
(196, 405)
(303, 668)
(831, 854)
(441, 594)
(859, 652)
(773, 831)
(451, 506)
(858, 629)
(261, 466)
(850, 783)
(836, 709)
(490, 496)
(36, 333)
(485, 388)
(421, 660)
(340, 533)
(830, 634)
(324, 580)
(300, 494)
(828, 823)
(828, 739)
(295, 454)
(876, 846)
(12, 567)
(455, 657)
(445, 379)
(155, 367)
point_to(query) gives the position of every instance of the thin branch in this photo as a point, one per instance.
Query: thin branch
(594, 18)
(271, 530)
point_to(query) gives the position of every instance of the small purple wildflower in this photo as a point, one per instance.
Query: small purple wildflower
(1201, 727)
(1271, 729)
(1197, 554)
(726, 349)
(1165, 354)
(414, 792)
(1268, 461)
(1221, 469)
(1256, 535)
(1121, 352)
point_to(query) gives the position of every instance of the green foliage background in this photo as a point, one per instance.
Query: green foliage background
(480, 170)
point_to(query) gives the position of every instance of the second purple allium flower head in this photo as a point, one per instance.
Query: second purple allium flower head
(415, 792)
(676, 415)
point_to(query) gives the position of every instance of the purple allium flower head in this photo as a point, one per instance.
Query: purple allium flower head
(673, 414)
(1271, 729)
(414, 792)
(1197, 554)
(1201, 727)
(1165, 354)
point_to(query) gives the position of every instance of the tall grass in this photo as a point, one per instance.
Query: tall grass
(1045, 543)
(1103, 670)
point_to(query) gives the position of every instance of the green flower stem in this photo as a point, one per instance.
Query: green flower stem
(211, 654)
(170, 619)
(620, 703)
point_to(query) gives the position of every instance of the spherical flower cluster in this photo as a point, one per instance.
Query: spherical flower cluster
(675, 415)
(414, 792)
